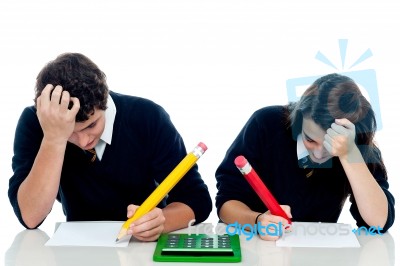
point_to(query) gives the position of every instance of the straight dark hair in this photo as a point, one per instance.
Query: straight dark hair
(336, 96)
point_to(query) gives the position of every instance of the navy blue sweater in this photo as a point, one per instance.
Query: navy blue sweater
(267, 142)
(145, 148)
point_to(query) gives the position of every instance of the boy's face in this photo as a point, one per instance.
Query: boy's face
(87, 134)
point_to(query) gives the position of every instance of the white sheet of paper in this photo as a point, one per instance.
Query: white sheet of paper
(323, 235)
(89, 234)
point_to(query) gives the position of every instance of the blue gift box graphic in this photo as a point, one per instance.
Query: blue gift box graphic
(365, 79)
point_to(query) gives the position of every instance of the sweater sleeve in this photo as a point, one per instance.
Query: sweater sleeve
(381, 179)
(28, 137)
(230, 182)
(168, 149)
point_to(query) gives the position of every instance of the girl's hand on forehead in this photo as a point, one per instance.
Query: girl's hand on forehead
(339, 138)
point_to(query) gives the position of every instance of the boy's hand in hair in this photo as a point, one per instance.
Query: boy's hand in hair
(56, 119)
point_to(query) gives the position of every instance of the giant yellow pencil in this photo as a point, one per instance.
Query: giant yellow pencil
(161, 191)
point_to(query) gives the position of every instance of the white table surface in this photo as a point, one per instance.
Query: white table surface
(28, 248)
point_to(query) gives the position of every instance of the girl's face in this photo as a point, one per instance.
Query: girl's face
(313, 138)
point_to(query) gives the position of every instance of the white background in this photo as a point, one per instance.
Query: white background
(210, 64)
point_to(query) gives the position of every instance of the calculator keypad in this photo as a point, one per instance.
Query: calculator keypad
(198, 242)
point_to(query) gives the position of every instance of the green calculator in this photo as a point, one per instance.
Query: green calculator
(198, 248)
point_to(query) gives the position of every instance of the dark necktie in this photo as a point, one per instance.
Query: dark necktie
(305, 162)
(92, 152)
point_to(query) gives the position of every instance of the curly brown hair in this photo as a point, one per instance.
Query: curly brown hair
(78, 75)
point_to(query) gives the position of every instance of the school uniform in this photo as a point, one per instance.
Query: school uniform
(315, 192)
(139, 148)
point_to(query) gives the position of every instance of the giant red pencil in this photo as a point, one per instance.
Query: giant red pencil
(260, 188)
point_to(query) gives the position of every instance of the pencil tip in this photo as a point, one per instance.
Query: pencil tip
(116, 240)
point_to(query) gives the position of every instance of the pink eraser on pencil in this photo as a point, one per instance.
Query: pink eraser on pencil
(202, 146)
(240, 161)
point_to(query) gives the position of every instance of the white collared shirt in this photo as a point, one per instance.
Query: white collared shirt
(106, 137)
(301, 149)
